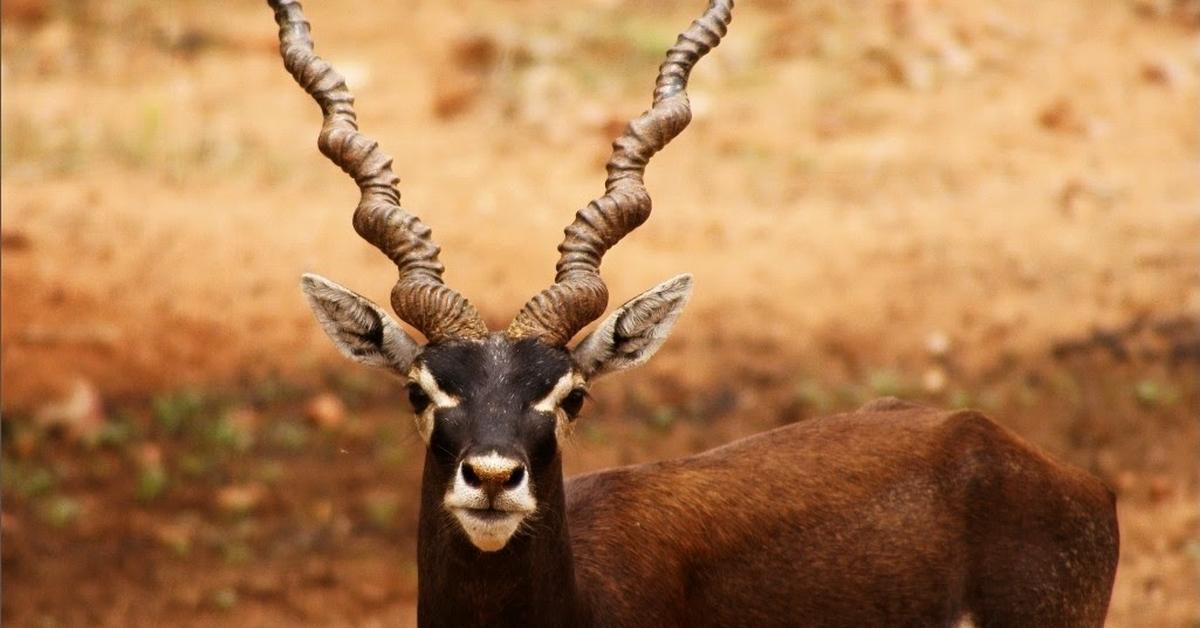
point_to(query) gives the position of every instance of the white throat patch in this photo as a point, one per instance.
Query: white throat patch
(490, 520)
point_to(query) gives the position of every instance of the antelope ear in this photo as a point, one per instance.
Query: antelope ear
(635, 331)
(361, 330)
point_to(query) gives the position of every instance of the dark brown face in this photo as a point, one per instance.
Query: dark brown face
(492, 413)
(494, 410)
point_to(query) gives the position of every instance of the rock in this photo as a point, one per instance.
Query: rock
(80, 413)
(1062, 116)
(177, 537)
(934, 380)
(456, 94)
(1164, 72)
(240, 499)
(149, 456)
(27, 11)
(1125, 482)
(327, 411)
(14, 241)
(937, 343)
(475, 52)
(1161, 488)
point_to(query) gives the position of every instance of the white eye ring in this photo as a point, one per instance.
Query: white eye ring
(563, 387)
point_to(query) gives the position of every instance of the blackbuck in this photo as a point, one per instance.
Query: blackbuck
(893, 515)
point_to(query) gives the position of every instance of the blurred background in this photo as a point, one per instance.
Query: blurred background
(990, 204)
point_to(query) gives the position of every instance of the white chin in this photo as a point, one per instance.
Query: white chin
(488, 534)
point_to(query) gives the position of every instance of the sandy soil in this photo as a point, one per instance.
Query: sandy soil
(950, 199)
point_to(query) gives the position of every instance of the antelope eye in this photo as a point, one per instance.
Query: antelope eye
(573, 402)
(418, 398)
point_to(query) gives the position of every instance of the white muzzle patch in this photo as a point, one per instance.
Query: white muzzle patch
(490, 513)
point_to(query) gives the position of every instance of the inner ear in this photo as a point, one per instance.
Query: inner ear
(633, 333)
(360, 329)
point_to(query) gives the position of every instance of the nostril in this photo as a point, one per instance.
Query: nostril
(514, 478)
(469, 476)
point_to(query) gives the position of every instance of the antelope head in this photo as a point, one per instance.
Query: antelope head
(493, 406)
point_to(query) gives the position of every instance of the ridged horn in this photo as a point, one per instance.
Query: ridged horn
(419, 297)
(578, 295)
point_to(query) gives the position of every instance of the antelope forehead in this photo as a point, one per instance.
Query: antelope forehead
(496, 370)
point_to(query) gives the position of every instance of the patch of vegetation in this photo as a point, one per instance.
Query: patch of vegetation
(175, 411)
(890, 383)
(225, 599)
(152, 483)
(61, 511)
(289, 434)
(381, 509)
(224, 435)
(663, 417)
(27, 480)
(117, 432)
(1151, 393)
(813, 397)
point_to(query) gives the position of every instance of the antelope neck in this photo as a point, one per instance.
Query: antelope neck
(530, 582)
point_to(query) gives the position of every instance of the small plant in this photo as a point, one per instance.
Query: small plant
(269, 472)
(236, 553)
(28, 481)
(152, 483)
(61, 511)
(224, 435)
(961, 399)
(289, 434)
(392, 454)
(888, 383)
(195, 465)
(380, 509)
(117, 432)
(664, 417)
(813, 396)
(175, 411)
(1152, 394)
(225, 599)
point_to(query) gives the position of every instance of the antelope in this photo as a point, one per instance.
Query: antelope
(893, 515)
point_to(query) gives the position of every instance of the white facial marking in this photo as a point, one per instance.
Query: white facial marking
(966, 621)
(564, 385)
(549, 403)
(490, 520)
(438, 399)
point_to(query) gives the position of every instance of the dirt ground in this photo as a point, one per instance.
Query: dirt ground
(990, 204)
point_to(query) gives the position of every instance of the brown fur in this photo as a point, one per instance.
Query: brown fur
(895, 515)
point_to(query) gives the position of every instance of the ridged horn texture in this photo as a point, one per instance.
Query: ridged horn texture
(578, 295)
(419, 297)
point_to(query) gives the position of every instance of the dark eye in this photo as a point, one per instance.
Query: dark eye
(418, 398)
(573, 402)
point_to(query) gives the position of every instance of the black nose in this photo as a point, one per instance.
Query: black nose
(492, 473)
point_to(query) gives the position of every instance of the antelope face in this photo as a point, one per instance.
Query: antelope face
(494, 411)
(493, 407)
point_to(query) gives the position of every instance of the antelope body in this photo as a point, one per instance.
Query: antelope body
(894, 515)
